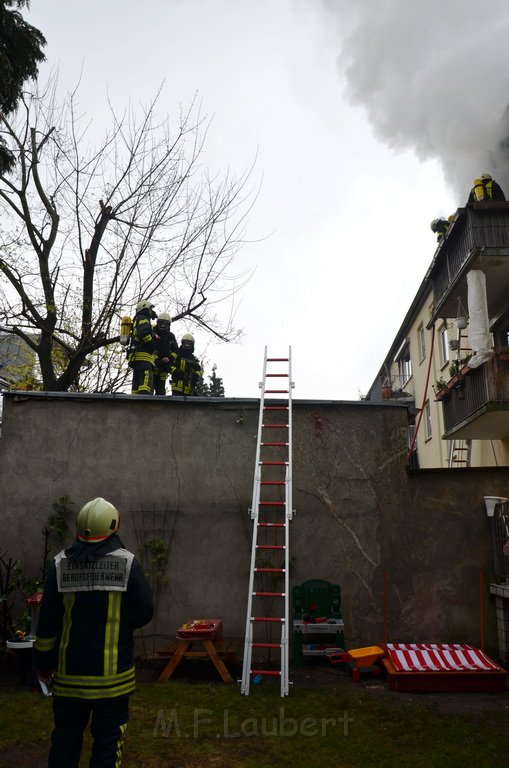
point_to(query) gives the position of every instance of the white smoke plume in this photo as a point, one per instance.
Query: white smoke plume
(433, 76)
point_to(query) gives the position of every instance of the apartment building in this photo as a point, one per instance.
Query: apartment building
(450, 358)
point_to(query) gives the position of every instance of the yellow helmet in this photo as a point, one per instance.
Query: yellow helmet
(97, 520)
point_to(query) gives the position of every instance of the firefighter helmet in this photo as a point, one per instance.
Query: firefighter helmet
(164, 316)
(486, 176)
(97, 520)
(144, 304)
(434, 224)
(188, 342)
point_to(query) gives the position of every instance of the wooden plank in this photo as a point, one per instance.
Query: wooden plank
(226, 647)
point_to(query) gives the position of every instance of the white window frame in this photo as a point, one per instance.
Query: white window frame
(428, 425)
(404, 362)
(421, 342)
(443, 345)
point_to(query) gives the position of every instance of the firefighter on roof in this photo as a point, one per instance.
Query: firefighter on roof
(142, 352)
(166, 343)
(95, 596)
(440, 227)
(484, 189)
(186, 372)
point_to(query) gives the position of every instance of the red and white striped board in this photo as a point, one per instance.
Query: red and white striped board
(439, 657)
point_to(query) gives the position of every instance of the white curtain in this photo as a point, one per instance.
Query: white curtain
(480, 338)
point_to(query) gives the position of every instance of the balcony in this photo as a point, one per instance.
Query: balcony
(475, 402)
(397, 388)
(478, 238)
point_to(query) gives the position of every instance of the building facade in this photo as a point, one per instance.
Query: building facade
(450, 358)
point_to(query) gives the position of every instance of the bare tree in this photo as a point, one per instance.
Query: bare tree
(87, 232)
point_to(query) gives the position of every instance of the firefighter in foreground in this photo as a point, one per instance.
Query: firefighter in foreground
(141, 354)
(186, 372)
(95, 596)
(166, 344)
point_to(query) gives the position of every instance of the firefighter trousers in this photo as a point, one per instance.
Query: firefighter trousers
(143, 378)
(108, 722)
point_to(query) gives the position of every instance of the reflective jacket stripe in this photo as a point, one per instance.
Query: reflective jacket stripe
(144, 357)
(69, 598)
(45, 643)
(111, 633)
(82, 687)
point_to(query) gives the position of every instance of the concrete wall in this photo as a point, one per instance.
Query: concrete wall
(407, 549)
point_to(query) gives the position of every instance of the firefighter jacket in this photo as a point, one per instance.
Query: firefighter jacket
(94, 597)
(186, 372)
(486, 190)
(166, 343)
(143, 346)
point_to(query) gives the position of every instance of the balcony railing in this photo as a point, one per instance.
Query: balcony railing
(477, 229)
(474, 391)
(397, 388)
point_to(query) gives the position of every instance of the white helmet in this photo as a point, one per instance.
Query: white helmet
(164, 316)
(486, 177)
(97, 520)
(188, 342)
(144, 304)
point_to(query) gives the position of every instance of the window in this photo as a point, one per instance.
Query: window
(443, 345)
(404, 367)
(428, 430)
(421, 339)
(402, 360)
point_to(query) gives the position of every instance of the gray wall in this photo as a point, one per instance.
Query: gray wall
(408, 549)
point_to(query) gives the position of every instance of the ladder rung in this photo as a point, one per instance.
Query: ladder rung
(275, 407)
(275, 375)
(274, 444)
(268, 594)
(267, 618)
(275, 426)
(271, 525)
(276, 391)
(277, 359)
(272, 503)
(275, 672)
(272, 482)
(270, 546)
(273, 463)
(266, 645)
(269, 570)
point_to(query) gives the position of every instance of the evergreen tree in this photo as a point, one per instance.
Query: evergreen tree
(216, 387)
(20, 54)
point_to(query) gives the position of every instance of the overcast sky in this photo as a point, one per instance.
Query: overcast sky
(365, 122)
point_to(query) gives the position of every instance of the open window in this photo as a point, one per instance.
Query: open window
(404, 363)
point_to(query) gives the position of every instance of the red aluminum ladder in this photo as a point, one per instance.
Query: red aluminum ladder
(271, 511)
